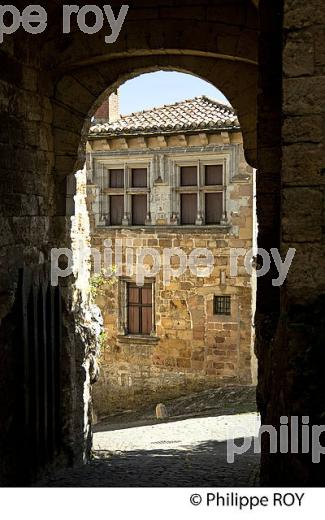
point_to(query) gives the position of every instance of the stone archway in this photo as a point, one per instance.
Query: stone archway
(67, 78)
(82, 89)
(50, 85)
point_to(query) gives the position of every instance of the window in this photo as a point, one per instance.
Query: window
(201, 194)
(189, 176)
(213, 175)
(197, 190)
(116, 178)
(124, 196)
(222, 305)
(139, 201)
(188, 208)
(213, 208)
(139, 178)
(139, 309)
(116, 210)
(213, 193)
(115, 193)
(188, 195)
(139, 210)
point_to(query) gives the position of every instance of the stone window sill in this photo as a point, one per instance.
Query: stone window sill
(140, 340)
(185, 229)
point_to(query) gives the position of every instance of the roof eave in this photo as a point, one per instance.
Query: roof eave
(153, 133)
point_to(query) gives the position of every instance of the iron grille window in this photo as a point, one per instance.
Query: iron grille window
(139, 305)
(222, 305)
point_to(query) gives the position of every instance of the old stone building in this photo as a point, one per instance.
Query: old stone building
(167, 183)
(268, 58)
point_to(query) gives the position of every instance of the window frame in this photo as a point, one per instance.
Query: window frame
(123, 324)
(201, 189)
(222, 305)
(151, 160)
(140, 306)
(128, 191)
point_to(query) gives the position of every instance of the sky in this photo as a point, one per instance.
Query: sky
(162, 88)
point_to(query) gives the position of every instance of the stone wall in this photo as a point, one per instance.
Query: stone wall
(51, 83)
(292, 351)
(35, 203)
(192, 348)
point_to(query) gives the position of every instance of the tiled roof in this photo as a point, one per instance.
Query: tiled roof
(200, 113)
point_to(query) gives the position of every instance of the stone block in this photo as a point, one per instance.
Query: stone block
(304, 96)
(298, 54)
(299, 223)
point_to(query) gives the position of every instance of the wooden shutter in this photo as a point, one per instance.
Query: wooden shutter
(140, 309)
(189, 176)
(188, 208)
(116, 209)
(116, 178)
(139, 210)
(213, 208)
(213, 175)
(139, 178)
(134, 309)
(146, 321)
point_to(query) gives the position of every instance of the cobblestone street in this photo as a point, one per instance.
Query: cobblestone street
(180, 453)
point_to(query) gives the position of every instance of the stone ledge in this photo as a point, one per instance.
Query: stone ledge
(240, 179)
(184, 229)
(138, 340)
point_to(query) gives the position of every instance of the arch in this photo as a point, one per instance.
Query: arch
(219, 43)
(216, 42)
(228, 29)
(80, 92)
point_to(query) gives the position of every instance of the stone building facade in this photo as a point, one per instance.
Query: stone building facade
(163, 185)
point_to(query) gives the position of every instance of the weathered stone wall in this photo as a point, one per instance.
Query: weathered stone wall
(48, 89)
(192, 348)
(33, 220)
(26, 159)
(291, 380)
(67, 74)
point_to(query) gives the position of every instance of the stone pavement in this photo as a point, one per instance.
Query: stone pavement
(178, 453)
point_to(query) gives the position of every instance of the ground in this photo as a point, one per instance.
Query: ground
(187, 450)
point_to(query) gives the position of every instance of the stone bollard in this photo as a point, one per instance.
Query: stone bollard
(161, 411)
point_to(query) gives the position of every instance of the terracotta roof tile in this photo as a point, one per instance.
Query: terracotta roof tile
(200, 113)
